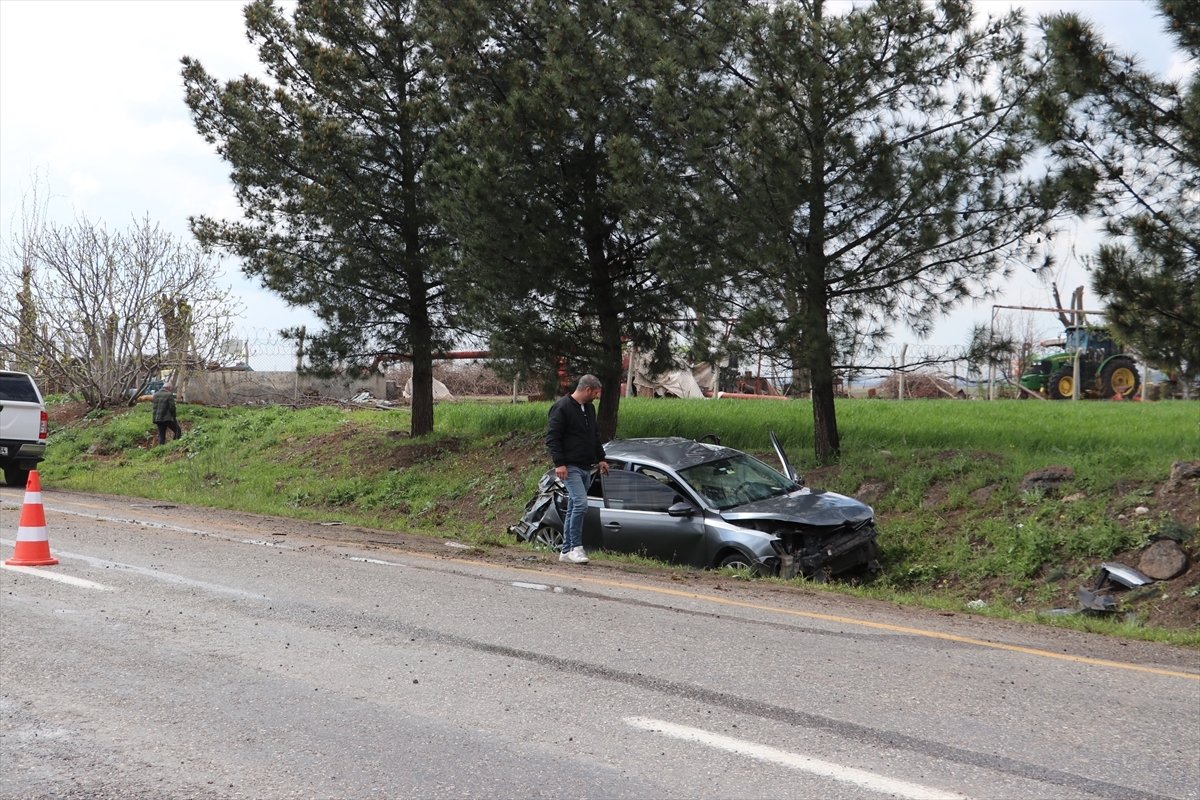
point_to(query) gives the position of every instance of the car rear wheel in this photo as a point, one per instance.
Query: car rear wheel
(548, 537)
(15, 476)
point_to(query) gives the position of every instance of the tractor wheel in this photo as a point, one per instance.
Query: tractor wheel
(1062, 384)
(1120, 377)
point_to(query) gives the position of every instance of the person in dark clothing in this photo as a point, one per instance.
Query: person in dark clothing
(574, 443)
(164, 413)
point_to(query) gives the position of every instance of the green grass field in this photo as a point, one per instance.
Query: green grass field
(1136, 434)
(943, 478)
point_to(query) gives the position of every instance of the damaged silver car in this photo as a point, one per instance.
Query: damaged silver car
(699, 504)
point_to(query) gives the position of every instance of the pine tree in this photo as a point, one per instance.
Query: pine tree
(875, 165)
(1131, 141)
(568, 184)
(330, 159)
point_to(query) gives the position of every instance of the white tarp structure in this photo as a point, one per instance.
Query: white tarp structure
(440, 392)
(706, 375)
(676, 382)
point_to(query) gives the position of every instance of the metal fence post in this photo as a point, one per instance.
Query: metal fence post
(1075, 379)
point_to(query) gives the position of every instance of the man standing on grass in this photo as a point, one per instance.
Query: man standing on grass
(574, 442)
(164, 413)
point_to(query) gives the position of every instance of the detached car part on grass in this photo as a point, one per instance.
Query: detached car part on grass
(703, 505)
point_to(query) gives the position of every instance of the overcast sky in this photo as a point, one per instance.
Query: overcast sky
(91, 96)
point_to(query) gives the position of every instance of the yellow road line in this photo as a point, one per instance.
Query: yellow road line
(950, 637)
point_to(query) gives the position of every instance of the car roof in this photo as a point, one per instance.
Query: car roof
(670, 451)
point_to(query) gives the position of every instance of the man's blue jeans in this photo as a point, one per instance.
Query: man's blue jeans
(578, 480)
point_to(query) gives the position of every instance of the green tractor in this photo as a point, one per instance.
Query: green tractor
(1105, 370)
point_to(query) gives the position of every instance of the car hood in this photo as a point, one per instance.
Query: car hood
(806, 507)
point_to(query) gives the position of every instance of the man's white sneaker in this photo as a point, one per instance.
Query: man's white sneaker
(577, 556)
(565, 555)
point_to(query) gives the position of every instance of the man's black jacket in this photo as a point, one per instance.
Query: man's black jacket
(572, 435)
(164, 406)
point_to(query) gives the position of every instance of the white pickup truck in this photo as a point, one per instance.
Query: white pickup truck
(23, 426)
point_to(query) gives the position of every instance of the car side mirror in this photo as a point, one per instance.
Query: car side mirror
(682, 509)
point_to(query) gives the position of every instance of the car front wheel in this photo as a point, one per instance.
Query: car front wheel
(545, 536)
(740, 561)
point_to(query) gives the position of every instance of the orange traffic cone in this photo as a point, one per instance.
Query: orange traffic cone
(33, 546)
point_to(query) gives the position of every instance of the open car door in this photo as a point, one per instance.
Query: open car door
(788, 469)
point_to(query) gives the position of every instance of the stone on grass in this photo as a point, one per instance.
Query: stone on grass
(1047, 479)
(982, 494)
(1185, 470)
(871, 491)
(1163, 560)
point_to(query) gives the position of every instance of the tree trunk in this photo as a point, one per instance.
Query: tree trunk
(608, 318)
(818, 342)
(826, 442)
(421, 336)
(609, 368)
(420, 327)
(819, 360)
(609, 373)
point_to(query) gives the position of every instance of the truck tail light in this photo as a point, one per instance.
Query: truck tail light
(45, 426)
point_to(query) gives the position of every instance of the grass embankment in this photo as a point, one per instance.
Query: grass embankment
(943, 477)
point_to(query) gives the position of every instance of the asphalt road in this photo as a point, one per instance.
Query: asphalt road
(179, 653)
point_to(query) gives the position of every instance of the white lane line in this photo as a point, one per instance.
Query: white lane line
(376, 561)
(166, 577)
(825, 769)
(166, 527)
(55, 576)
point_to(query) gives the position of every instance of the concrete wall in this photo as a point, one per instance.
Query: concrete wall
(236, 387)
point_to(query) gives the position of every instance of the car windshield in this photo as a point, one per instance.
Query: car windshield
(733, 481)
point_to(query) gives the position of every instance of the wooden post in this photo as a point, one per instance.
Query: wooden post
(903, 361)
(299, 363)
(629, 373)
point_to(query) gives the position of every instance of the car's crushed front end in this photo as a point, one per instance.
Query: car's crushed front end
(820, 533)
